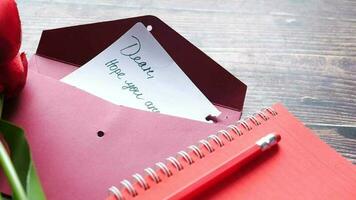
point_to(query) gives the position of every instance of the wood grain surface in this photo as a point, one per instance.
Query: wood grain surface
(301, 53)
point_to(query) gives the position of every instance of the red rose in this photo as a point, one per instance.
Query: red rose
(10, 30)
(13, 66)
(13, 75)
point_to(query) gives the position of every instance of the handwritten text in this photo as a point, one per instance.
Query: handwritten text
(131, 51)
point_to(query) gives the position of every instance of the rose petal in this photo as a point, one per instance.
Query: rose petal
(13, 75)
(10, 30)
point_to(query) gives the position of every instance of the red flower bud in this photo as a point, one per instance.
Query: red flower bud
(13, 75)
(10, 30)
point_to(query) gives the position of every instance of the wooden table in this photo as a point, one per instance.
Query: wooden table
(300, 53)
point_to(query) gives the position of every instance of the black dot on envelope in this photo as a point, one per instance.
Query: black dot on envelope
(100, 133)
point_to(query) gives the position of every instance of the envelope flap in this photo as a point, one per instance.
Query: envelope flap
(77, 45)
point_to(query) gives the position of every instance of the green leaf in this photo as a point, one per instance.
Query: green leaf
(34, 188)
(20, 154)
(19, 170)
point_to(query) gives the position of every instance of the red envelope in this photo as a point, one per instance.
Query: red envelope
(64, 124)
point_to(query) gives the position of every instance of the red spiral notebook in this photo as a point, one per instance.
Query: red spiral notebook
(301, 167)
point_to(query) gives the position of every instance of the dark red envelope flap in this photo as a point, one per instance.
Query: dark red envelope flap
(78, 44)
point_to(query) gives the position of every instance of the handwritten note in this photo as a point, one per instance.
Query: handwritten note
(135, 71)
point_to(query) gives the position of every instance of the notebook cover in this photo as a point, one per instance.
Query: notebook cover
(301, 167)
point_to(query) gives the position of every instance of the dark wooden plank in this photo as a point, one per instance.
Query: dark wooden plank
(301, 53)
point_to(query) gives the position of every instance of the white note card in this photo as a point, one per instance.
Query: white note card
(135, 71)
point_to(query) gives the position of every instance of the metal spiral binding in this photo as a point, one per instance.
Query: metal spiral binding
(196, 149)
